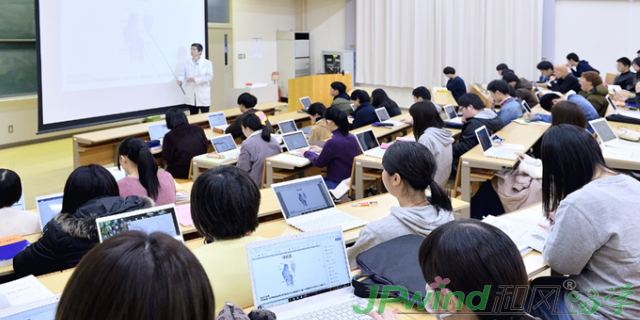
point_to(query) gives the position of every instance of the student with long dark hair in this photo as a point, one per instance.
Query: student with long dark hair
(594, 214)
(338, 152)
(429, 130)
(567, 112)
(143, 177)
(409, 169)
(90, 192)
(380, 99)
(258, 146)
(14, 221)
(135, 275)
(182, 143)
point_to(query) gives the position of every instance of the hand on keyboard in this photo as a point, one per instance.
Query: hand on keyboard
(387, 315)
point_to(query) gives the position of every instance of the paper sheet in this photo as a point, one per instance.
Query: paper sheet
(521, 229)
(257, 48)
(24, 290)
(183, 212)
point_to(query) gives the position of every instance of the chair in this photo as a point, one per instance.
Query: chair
(610, 78)
(476, 177)
(370, 177)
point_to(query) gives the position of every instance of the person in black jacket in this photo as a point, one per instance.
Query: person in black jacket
(380, 99)
(182, 143)
(625, 78)
(455, 84)
(365, 113)
(564, 80)
(579, 66)
(246, 102)
(90, 192)
(474, 116)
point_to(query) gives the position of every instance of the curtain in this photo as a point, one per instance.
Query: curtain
(408, 43)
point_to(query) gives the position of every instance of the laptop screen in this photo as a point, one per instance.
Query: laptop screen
(603, 130)
(287, 126)
(48, 207)
(303, 196)
(157, 131)
(162, 219)
(367, 140)
(450, 111)
(295, 141)
(306, 102)
(484, 138)
(383, 115)
(612, 103)
(217, 119)
(223, 143)
(526, 107)
(40, 310)
(298, 268)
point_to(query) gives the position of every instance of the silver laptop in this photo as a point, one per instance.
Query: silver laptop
(609, 138)
(157, 219)
(48, 207)
(489, 150)
(226, 146)
(450, 113)
(158, 131)
(353, 107)
(369, 144)
(383, 116)
(306, 205)
(290, 126)
(303, 276)
(525, 107)
(306, 102)
(218, 120)
(628, 113)
(44, 309)
(295, 141)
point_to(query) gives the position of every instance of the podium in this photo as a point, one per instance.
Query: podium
(316, 87)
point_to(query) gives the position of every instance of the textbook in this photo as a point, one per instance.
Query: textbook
(10, 247)
(522, 227)
(22, 291)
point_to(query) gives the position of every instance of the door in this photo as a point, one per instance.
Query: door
(220, 56)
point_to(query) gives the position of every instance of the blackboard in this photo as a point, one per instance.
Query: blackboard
(18, 63)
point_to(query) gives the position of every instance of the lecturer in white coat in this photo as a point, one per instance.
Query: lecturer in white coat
(198, 72)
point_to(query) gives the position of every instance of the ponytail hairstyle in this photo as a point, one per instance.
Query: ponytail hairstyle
(253, 122)
(138, 152)
(339, 118)
(416, 166)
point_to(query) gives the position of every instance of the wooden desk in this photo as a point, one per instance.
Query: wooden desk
(443, 98)
(513, 133)
(100, 147)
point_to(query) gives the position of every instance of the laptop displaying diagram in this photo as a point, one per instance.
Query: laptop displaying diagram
(306, 102)
(369, 144)
(450, 113)
(226, 146)
(157, 219)
(158, 131)
(307, 205)
(218, 120)
(303, 276)
(489, 150)
(383, 116)
(48, 207)
(295, 141)
(609, 138)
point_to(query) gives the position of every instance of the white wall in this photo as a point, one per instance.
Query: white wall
(325, 20)
(259, 19)
(598, 31)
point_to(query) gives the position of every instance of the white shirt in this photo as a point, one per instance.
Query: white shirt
(15, 221)
(198, 93)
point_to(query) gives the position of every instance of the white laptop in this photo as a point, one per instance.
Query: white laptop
(218, 120)
(369, 144)
(157, 219)
(48, 207)
(450, 113)
(306, 102)
(44, 309)
(628, 113)
(307, 205)
(383, 116)
(525, 107)
(20, 204)
(353, 107)
(295, 141)
(226, 146)
(609, 138)
(158, 131)
(489, 150)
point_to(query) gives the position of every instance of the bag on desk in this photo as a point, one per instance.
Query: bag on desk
(393, 263)
(622, 118)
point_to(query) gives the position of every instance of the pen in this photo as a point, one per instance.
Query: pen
(365, 204)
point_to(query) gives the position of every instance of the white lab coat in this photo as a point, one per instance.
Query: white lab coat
(198, 93)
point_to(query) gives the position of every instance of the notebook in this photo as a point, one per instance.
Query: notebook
(303, 276)
(158, 131)
(160, 219)
(10, 247)
(48, 207)
(609, 138)
(306, 102)
(489, 150)
(295, 141)
(226, 146)
(383, 116)
(218, 120)
(307, 205)
(451, 114)
(369, 144)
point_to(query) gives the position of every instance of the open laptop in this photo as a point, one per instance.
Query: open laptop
(303, 276)
(44, 309)
(609, 138)
(48, 207)
(489, 150)
(226, 146)
(369, 144)
(525, 107)
(295, 141)
(157, 219)
(628, 113)
(20, 204)
(383, 116)
(218, 120)
(306, 102)
(158, 131)
(306, 205)
(450, 113)
(353, 107)
(290, 126)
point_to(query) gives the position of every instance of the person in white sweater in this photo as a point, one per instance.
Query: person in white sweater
(409, 169)
(14, 221)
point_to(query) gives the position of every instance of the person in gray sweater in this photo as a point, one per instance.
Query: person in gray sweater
(409, 168)
(429, 130)
(593, 238)
(258, 146)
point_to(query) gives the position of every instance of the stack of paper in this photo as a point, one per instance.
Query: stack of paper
(522, 227)
(22, 291)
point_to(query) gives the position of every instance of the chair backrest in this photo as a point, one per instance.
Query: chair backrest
(610, 78)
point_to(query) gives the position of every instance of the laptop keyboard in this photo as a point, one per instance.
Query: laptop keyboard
(347, 222)
(337, 312)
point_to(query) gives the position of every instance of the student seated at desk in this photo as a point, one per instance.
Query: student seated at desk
(182, 143)
(14, 221)
(593, 237)
(563, 81)
(90, 192)
(510, 109)
(594, 91)
(134, 275)
(338, 152)
(246, 104)
(143, 177)
(380, 99)
(409, 169)
(455, 84)
(224, 207)
(549, 100)
(365, 113)
(258, 146)
(546, 71)
(429, 130)
(421, 94)
(319, 131)
(579, 66)
(503, 69)
(522, 88)
(340, 96)
(626, 77)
